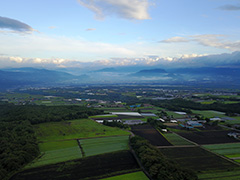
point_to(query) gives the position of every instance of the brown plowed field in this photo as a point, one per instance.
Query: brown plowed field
(151, 134)
(209, 137)
(197, 159)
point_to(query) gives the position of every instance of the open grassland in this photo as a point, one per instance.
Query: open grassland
(231, 151)
(209, 113)
(74, 129)
(131, 176)
(104, 145)
(176, 140)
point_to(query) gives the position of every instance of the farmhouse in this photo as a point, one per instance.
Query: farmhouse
(148, 114)
(194, 124)
(234, 134)
(215, 119)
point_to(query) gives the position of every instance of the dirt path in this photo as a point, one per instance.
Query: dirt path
(79, 144)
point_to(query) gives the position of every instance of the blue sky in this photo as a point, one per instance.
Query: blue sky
(101, 30)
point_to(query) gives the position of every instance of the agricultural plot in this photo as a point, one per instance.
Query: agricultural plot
(231, 151)
(199, 160)
(56, 156)
(175, 115)
(104, 145)
(94, 167)
(209, 113)
(151, 134)
(176, 140)
(74, 129)
(208, 137)
(235, 120)
(131, 176)
(221, 175)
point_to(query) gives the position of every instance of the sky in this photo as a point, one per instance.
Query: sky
(60, 31)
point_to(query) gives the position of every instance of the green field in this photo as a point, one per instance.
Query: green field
(131, 176)
(209, 113)
(175, 115)
(74, 129)
(58, 140)
(221, 175)
(55, 145)
(96, 146)
(232, 122)
(104, 116)
(176, 140)
(56, 156)
(228, 150)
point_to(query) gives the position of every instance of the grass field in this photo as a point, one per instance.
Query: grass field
(104, 145)
(232, 122)
(175, 115)
(209, 113)
(56, 156)
(176, 140)
(228, 150)
(221, 175)
(104, 116)
(58, 140)
(131, 176)
(81, 128)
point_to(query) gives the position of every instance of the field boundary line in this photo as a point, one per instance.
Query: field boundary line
(81, 149)
(139, 162)
(186, 139)
(219, 155)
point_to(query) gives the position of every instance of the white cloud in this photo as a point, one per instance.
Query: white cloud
(91, 29)
(40, 45)
(175, 39)
(184, 60)
(211, 40)
(127, 9)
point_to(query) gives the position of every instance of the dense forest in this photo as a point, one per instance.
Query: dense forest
(18, 143)
(157, 165)
(187, 105)
(40, 114)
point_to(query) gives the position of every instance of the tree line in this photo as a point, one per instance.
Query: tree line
(18, 143)
(187, 105)
(156, 164)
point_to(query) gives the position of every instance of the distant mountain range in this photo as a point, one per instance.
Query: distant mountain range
(33, 77)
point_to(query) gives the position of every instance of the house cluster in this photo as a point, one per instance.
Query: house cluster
(234, 135)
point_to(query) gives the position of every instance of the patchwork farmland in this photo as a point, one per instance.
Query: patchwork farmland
(151, 134)
(95, 146)
(208, 137)
(100, 166)
(229, 150)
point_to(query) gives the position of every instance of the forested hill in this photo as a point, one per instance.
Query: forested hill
(40, 114)
(18, 144)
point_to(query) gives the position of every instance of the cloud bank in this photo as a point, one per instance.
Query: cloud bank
(186, 60)
(126, 9)
(15, 25)
(212, 40)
